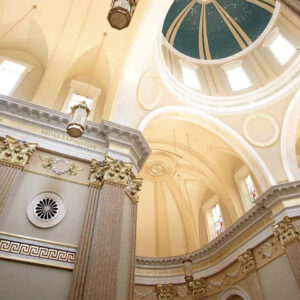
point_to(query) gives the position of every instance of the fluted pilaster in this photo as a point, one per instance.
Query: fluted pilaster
(14, 155)
(105, 263)
(286, 233)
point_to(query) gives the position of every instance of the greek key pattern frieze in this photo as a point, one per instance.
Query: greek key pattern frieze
(36, 253)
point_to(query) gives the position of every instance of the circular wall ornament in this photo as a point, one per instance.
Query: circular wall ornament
(261, 130)
(149, 91)
(46, 210)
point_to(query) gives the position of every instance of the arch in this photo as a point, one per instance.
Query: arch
(227, 134)
(234, 291)
(289, 139)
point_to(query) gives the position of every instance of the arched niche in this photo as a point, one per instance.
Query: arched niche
(234, 293)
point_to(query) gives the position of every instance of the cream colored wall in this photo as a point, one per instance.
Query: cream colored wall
(13, 216)
(19, 281)
(278, 281)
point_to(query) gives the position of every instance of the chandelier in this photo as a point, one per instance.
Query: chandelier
(121, 13)
(78, 119)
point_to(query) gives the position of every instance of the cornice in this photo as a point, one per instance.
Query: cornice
(258, 220)
(110, 137)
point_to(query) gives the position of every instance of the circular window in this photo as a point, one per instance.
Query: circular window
(46, 210)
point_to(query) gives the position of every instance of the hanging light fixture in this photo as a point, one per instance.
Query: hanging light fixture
(121, 13)
(188, 269)
(78, 119)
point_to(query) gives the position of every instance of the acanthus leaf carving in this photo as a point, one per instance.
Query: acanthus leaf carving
(285, 231)
(166, 291)
(15, 152)
(111, 170)
(247, 261)
(197, 288)
(134, 188)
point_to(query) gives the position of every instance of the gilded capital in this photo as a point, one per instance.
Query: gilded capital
(166, 291)
(110, 170)
(134, 188)
(15, 152)
(197, 288)
(285, 231)
(247, 261)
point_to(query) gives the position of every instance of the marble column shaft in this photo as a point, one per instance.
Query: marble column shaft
(256, 291)
(82, 256)
(8, 177)
(293, 253)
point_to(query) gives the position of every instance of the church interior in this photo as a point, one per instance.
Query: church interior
(149, 149)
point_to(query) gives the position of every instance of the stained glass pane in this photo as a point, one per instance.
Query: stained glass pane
(250, 188)
(217, 220)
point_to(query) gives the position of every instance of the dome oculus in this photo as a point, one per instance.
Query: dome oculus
(215, 29)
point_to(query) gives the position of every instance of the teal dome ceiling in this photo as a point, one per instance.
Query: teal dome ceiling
(215, 29)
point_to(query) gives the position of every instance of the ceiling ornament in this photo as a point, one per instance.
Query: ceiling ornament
(121, 13)
(149, 91)
(60, 166)
(15, 152)
(257, 137)
(210, 30)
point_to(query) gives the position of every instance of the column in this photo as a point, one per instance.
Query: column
(14, 155)
(286, 233)
(105, 262)
(248, 266)
(294, 5)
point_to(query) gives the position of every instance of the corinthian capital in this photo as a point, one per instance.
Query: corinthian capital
(285, 231)
(134, 188)
(16, 153)
(247, 261)
(110, 170)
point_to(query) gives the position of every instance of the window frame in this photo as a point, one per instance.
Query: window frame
(85, 90)
(267, 44)
(28, 69)
(233, 65)
(239, 177)
(187, 65)
(207, 211)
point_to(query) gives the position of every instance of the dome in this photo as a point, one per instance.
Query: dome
(215, 29)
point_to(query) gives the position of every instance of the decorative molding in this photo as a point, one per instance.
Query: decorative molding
(109, 170)
(40, 205)
(217, 284)
(197, 288)
(285, 232)
(30, 122)
(23, 249)
(15, 152)
(253, 228)
(134, 188)
(268, 118)
(166, 291)
(268, 250)
(51, 163)
(247, 261)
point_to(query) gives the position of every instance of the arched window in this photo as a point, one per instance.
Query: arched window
(11, 75)
(213, 217)
(246, 187)
(82, 92)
